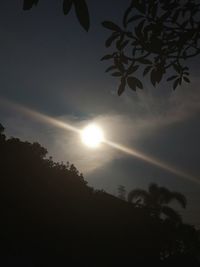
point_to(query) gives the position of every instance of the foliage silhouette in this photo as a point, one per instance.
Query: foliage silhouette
(121, 192)
(1, 128)
(156, 200)
(155, 39)
(2, 136)
(80, 6)
(51, 217)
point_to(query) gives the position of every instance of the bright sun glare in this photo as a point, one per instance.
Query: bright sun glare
(92, 135)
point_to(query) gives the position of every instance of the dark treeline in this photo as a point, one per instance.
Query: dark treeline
(51, 217)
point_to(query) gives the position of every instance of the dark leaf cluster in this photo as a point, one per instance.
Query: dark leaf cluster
(80, 6)
(155, 39)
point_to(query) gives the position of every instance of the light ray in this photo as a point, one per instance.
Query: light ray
(39, 116)
(153, 161)
(129, 151)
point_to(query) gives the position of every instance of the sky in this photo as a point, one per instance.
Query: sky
(50, 65)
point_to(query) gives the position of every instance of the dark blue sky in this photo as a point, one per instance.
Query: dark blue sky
(50, 64)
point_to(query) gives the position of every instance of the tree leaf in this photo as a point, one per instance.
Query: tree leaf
(159, 74)
(116, 74)
(186, 79)
(133, 82)
(28, 4)
(134, 18)
(111, 26)
(106, 57)
(126, 14)
(144, 61)
(141, 7)
(154, 10)
(120, 42)
(138, 29)
(165, 16)
(153, 77)
(82, 13)
(120, 67)
(139, 84)
(176, 83)
(67, 4)
(110, 68)
(116, 61)
(146, 70)
(124, 59)
(172, 78)
(111, 39)
(177, 68)
(132, 69)
(129, 34)
(123, 45)
(121, 86)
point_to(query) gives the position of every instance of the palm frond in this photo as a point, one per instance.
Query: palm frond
(171, 214)
(165, 195)
(153, 188)
(180, 198)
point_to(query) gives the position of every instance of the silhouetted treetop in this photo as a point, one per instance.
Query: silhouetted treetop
(2, 136)
(121, 192)
(156, 200)
(1, 128)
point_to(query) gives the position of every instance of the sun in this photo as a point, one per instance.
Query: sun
(92, 135)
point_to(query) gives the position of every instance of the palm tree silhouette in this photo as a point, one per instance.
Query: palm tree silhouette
(156, 201)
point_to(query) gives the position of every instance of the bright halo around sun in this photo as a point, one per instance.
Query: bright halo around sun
(92, 136)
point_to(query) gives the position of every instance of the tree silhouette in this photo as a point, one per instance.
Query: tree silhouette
(121, 192)
(156, 200)
(51, 217)
(1, 128)
(156, 38)
(2, 136)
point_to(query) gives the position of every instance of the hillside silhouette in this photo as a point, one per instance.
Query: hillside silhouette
(51, 217)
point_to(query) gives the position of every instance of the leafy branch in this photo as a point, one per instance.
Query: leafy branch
(155, 40)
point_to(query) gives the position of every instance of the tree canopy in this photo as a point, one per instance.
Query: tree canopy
(157, 199)
(156, 39)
